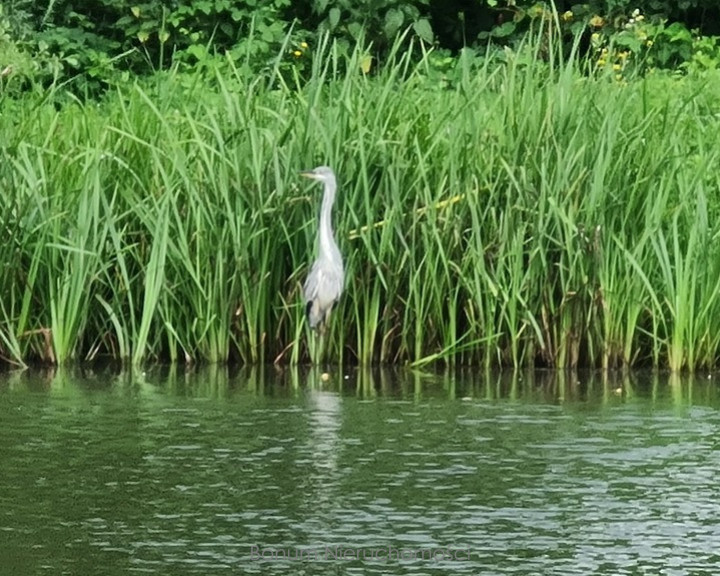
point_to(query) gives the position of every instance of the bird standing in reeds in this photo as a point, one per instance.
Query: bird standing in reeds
(324, 284)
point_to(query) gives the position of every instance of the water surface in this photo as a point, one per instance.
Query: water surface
(207, 472)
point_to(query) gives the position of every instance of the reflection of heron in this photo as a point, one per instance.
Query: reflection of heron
(319, 477)
(325, 411)
(325, 282)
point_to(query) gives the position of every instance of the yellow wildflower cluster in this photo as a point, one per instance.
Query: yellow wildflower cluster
(618, 60)
(298, 52)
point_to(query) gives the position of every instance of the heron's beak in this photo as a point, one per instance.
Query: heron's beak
(309, 174)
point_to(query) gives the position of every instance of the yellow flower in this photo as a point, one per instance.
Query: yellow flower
(304, 45)
(597, 21)
(595, 37)
(649, 43)
(601, 63)
(617, 67)
(297, 53)
(623, 55)
(567, 16)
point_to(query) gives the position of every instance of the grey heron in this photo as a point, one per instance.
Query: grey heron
(324, 284)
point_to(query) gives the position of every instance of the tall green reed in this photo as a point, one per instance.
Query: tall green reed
(515, 211)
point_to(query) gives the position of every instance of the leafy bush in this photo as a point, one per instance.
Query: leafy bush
(93, 46)
(383, 20)
(102, 44)
(191, 32)
(639, 44)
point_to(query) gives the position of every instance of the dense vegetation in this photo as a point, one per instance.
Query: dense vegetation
(552, 203)
(89, 48)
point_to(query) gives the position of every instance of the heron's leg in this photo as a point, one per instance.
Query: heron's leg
(320, 349)
(313, 345)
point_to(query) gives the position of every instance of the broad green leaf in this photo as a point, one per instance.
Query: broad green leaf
(333, 18)
(204, 7)
(423, 29)
(355, 29)
(393, 21)
(505, 29)
(197, 50)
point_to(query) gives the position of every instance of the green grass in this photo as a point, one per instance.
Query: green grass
(515, 212)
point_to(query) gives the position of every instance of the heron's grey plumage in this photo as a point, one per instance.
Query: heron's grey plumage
(324, 284)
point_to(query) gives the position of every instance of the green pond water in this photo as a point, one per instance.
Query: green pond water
(266, 472)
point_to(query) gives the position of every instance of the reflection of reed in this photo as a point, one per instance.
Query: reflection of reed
(194, 381)
(545, 386)
(220, 381)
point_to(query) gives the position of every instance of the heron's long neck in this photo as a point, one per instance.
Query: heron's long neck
(327, 242)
